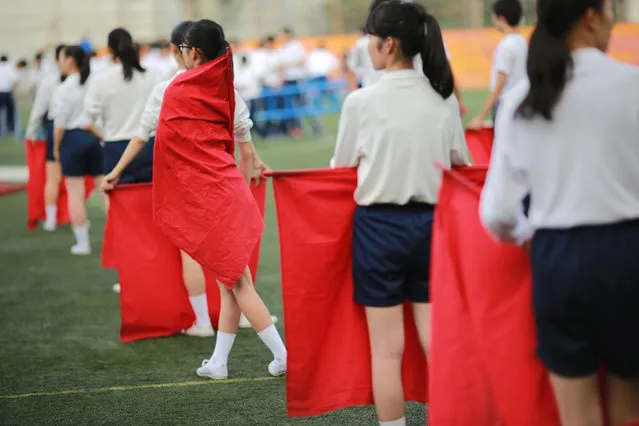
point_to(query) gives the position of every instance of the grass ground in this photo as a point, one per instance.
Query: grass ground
(61, 361)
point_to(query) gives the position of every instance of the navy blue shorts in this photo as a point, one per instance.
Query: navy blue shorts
(586, 299)
(48, 125)
(80, 154)
(391, 254)
(139, 171)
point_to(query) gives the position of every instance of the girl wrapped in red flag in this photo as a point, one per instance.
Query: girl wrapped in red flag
(201, 199)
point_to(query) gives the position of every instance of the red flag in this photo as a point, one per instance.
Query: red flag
(36, 153)
(200, 199)
(326, 334)
(484, 367)
(154, 301)
(480, 145)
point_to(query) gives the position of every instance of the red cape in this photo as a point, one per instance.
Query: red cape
(201, 201)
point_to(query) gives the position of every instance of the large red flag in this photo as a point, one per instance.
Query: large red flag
(480, 145)
(154, 301)
(200, 199)
(484, 370)
(36, 153)
(326, 334)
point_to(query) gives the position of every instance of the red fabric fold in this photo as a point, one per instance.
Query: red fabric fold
(326, 333)
(484, 339)
(200, 199)
(480, 145)
(154, 301)
(36, 157)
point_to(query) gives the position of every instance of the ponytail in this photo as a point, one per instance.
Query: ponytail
(418, 33)
(434, 61)
(121, 45)
(85, 69)
(550, 61)
(81, 61)
(549, 65)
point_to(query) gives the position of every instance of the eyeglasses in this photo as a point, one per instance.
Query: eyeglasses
(184, 46)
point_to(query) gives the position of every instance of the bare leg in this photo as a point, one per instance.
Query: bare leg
(623, 401)
(386, 334)
(578, 400)
(421, 314)
(77, 210)
(230, 311)
(51, 192)
(251, 303)
(195, 283)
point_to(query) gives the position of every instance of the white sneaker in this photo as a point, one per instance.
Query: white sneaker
(277, 368)
(213, 371)
(200, 331)
(244, 322)
(81, 250)
(116, 288)
(49, 227)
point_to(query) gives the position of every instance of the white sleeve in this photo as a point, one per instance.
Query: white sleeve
(93, 104)
(506, 186)
(459, 154)
(243, 122)
(346, 146)
(151, 114)
(62, 108)
(504, 59)
(39, 109)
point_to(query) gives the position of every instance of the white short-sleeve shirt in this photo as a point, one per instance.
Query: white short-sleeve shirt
(394, 132)
(118, 103)
(42, 103)
(510, 59)
(581, 168)
(68, 101)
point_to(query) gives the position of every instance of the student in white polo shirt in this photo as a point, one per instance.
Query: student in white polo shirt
(192, 273)
(509, 62)
(568, 136)
(393, 132)
(9, 77)
(117, 98)
(41, 115)
(78, 151)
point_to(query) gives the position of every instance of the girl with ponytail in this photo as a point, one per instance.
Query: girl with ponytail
(568, 136)
(77, 150)
(42, 116)
(393, 132)
(116, 100)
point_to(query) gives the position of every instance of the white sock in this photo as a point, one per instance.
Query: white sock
(398, 422)
(82, 235)
(52, 214)
(201, 308)
(273, 341)
(223, 345)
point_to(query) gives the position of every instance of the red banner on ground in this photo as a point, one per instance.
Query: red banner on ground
(36, 153)
(484, 370)
(480, 145)
(154, 301)
(326, 334)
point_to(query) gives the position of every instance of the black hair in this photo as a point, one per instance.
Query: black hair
(81, 60)
(22, 63)
(39, 56)
(244, 59)
(208, 38)
(4, 58)
(270, 39)
(58, 49)
(510, 10)
(121, 44)
(373, 6)
(287, 30)
(177, 36)
(418, 32)
(550, 62)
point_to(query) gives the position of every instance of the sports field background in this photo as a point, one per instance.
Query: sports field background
(61, 361)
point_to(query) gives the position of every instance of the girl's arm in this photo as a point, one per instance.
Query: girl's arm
(346, 146)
